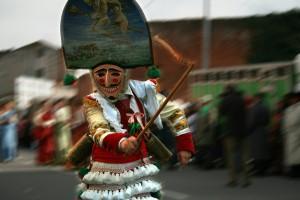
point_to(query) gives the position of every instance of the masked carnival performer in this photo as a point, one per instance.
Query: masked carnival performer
(116, 112)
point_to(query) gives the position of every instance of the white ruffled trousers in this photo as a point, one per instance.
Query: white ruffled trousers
(129, 181)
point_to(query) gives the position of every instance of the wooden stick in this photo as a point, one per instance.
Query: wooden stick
(178, 57)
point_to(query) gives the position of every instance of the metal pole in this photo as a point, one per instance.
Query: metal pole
(206, 35)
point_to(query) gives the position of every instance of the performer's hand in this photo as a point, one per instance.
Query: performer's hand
(129, 145)
(184, 157)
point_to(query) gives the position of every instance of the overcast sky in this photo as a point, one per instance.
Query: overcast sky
(25, 21)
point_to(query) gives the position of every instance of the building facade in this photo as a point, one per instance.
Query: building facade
(38, 60)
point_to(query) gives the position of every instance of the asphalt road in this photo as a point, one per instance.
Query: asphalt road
(21, 179)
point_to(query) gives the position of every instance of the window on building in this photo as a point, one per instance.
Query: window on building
(218, 76)
(229, 75)
(41, 52)
(223, 76)
(242, 74)
(197, 78)
(235, 74)
(211, 76)
(39, 73)
(206, 77)
(253, 73)
(281, 72)
(266, 74)
(201, 77)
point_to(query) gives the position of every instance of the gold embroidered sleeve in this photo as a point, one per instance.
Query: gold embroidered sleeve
(174, 116)
(96, 121)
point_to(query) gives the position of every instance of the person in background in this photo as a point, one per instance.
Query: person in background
(2, 123)
(43, 132)
(78, 122)
(25, 127)
(9, 141)
(63, 140)
(191, 112)
(291, 136)
(258, 127)
(205, 132)
(232, 109)
(276, 140)
(84, 86)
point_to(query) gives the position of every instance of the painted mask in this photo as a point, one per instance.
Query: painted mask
(110, 79)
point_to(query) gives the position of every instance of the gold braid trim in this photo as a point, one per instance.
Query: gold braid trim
(91, 102)
(95, 119)
(173, 115)
(182, 124)
(176, 115)
(96, 137)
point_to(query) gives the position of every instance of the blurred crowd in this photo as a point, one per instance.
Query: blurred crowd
(246, 135)
(48, 126)
(242, 133)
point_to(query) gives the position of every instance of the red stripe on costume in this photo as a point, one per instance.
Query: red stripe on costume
(109, 153)
(185, 143)
(111, 141)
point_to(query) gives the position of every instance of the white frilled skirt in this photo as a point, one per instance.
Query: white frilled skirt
(120, 181)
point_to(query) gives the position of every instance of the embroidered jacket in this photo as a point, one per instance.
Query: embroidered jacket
(108, 122)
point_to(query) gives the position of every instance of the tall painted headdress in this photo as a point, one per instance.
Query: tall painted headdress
(98, 32)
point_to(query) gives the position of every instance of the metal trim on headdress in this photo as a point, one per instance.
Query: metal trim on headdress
(98, 32)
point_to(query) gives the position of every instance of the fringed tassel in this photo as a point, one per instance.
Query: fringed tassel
(120, 178)
(145, 186)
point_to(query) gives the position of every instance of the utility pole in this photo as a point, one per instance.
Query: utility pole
(206, 35)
